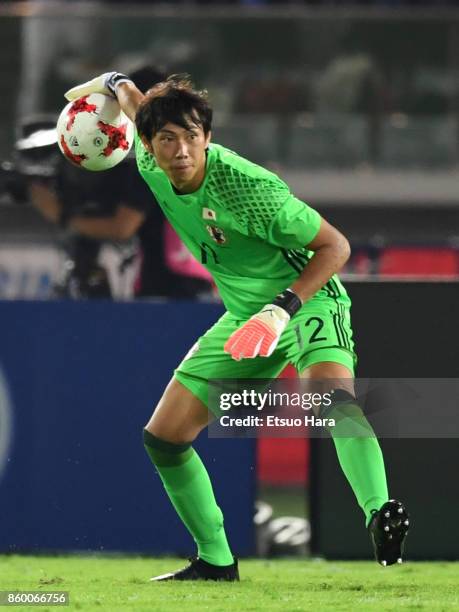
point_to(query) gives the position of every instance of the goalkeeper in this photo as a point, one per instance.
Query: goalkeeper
(274, 261)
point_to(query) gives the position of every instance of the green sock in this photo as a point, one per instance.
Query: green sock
(360, 456)
(189, 488)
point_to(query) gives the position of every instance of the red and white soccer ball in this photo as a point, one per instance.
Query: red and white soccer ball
(94, 133)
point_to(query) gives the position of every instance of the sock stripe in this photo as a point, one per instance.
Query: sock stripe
(162, 445)
(340, 398)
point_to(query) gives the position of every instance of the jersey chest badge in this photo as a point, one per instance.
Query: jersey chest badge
(216, 234)
(209, 214)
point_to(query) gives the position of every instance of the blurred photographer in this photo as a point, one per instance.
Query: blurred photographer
(95, 207)
(91, 208)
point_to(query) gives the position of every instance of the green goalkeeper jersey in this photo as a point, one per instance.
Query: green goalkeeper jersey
(243, 225)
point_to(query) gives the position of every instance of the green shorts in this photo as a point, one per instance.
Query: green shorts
(320, 331)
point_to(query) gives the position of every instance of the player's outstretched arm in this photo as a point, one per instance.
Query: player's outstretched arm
(129, 98)
(113, 84)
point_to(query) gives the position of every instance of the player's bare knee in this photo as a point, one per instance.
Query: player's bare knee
(179, 416)
(331, 381)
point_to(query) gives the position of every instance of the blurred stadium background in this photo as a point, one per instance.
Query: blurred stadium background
(356, 106)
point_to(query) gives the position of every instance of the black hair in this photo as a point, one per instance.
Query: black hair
(173, 101)
(147, 76)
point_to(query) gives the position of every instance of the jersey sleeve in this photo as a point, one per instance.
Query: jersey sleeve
(295, 224)
(262, 204)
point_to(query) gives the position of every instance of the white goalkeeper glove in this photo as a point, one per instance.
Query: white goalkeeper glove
(105, 84)
(261, 333)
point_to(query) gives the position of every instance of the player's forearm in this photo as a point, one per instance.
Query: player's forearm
(129, 99)
(327, 260)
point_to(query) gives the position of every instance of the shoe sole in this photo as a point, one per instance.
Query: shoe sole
(393, 525)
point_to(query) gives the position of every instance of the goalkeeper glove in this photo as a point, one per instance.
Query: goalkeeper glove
(261, 333)
(105, 84)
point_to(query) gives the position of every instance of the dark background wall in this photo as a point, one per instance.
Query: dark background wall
(82, 380)
(402, 330)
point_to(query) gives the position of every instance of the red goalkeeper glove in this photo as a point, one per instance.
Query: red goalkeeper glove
(261, 333)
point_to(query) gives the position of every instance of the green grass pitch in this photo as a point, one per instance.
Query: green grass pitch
(121, 584)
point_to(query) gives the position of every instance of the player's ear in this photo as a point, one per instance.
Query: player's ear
(208, 137)
(147, 144)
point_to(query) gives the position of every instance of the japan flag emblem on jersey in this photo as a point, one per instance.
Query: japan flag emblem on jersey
(209, 214)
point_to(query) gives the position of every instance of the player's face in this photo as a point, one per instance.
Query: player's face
(181, 153)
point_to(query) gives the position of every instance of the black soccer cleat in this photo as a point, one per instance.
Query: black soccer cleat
(201, 570)
(388, 529)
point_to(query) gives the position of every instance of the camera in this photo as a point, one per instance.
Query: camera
(36, 159)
